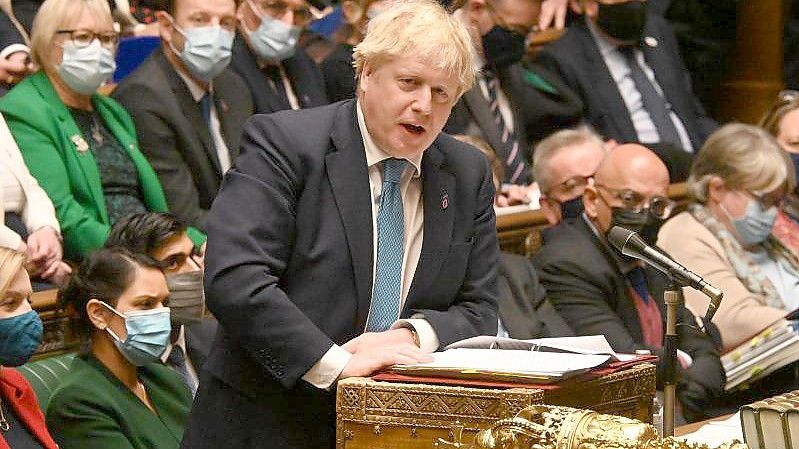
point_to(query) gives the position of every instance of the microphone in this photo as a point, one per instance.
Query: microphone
(632, 245)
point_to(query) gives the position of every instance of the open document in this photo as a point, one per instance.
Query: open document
(589, 344)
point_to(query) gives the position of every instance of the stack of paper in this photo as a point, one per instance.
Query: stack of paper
(772, 423)
(716, 433)
(772, 349)
(589, 344)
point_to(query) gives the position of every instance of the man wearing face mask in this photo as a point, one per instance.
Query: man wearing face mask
(598, 291)
(164, 238)
(279, 74)
(505, 108)
(188, 106)
(624, 62)
(564, 164)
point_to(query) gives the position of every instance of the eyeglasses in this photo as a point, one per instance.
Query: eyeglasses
(658, 206)
(570, 188)
(84, 38)
(279, 8)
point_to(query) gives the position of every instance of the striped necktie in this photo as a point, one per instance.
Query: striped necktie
(515, 165)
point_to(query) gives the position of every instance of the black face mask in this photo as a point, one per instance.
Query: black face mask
(571, 209)
(623, 21)
(502, 47)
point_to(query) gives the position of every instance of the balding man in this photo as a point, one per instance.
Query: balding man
(598, 290)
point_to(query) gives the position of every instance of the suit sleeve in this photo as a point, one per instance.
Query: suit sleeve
(82, 232)
(77, 423)
(158, 142)
(474, 309)
(704, 380)
(245, 262)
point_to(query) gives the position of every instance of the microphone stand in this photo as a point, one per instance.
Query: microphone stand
(672, 297)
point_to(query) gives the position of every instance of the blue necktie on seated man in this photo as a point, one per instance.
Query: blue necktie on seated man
(385, 306)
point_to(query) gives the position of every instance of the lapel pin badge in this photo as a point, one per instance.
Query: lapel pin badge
(80, 143)
(444, 201)
(651, 41)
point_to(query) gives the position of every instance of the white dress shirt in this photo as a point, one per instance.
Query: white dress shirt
(620, 72)
(325, 372)
(181, 343)
(197, 93)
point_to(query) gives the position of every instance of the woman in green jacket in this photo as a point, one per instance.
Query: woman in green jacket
(118, 395)
(80, 146)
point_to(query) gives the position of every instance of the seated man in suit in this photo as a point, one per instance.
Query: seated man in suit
(266, 54)
(506, 107)
(347, 238)
(164, 238)
(188, 107)
(563, 165)
(624, 62)
(598, 290)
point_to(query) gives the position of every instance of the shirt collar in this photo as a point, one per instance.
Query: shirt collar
(197, 92)
(605, 46)
(179, 342)
(374, 155)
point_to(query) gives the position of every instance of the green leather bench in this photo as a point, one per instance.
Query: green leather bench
(45, 374)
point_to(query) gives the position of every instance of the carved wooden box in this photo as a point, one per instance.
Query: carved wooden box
(388, 415)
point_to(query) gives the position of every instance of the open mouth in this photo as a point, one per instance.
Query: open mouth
(413, 129)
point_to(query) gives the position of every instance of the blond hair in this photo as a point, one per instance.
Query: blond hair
(554, 144)
(771, 120)
(745, 157)
(10, 263)
(421, 28)
(56, 15)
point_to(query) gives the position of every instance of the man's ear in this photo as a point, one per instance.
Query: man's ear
(590, 198)
(164, 26)
(364, 76)
(99, 315)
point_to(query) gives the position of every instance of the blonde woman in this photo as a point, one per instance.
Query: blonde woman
(738, 182)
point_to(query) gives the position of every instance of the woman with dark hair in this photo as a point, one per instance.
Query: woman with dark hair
(21, 421)
(116, 395)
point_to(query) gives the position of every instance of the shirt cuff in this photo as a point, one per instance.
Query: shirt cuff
(428, 339)
(325, 372)
(14, 48)
(685, 359)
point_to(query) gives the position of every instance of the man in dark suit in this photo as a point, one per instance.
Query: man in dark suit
(278, 72)
(189, 108)
(164, 238)
(598, 291)
(510, 106)
(624, 62)
(355, 217)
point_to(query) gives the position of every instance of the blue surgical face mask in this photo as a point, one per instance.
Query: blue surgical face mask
(206, 50)
(756, 224)
(20, 336)
(86, 69)
(148, 335)
(273, 39)
(571, 209)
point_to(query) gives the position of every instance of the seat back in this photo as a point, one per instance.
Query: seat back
(45, 374)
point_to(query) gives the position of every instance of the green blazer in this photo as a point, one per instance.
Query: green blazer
(56, 154)
(92, 409)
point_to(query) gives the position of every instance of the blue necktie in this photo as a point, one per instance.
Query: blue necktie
(177, 360)
(384, 309)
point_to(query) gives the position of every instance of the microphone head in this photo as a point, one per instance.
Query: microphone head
(626, 241)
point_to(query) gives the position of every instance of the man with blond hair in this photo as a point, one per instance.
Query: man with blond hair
(348, 238)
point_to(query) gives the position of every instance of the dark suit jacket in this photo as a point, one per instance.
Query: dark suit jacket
(339, 73)
(292, 274)
(523, 305)
(578, 61)
(174, 136)
(536, 113)
(199, 338)
(302, 72)
(585, 283)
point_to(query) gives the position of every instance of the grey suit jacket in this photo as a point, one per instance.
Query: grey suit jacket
(174, 136)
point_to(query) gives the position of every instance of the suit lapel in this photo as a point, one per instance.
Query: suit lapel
(438, 186)
(349, 180)
(222, 104)
(247, 66)
(605, 86)
(190, 109)
(483, 117)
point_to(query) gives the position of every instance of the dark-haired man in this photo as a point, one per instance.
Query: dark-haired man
(164, 238)
(188, 106)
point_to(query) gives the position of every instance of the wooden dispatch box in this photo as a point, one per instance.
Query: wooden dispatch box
(392, 415)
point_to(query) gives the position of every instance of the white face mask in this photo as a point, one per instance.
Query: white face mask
(206, 50)
(273, 39)
(85, 69)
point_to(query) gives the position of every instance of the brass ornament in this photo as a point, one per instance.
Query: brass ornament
(551, 427)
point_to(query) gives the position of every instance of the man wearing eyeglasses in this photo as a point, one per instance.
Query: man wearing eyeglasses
(266, 54)
(188, 106)
(599, 291)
